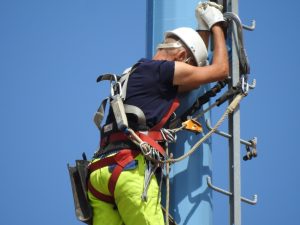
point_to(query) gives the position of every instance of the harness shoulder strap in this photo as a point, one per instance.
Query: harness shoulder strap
(123, 81)
(100, 113)
(165, 118)
(124, 78)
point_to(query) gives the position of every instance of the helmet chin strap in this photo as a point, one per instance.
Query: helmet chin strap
(187, 60)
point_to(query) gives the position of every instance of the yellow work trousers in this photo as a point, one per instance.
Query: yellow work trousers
(131, 209)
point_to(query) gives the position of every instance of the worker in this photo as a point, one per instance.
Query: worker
(179, 65)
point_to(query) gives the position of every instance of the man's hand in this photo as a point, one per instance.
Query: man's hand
(202, 26)
(208, 14)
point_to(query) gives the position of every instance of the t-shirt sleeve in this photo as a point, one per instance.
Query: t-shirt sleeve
(166, 75)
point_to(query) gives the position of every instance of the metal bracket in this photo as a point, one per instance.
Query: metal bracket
(250, 145)
(246, 200)
(251, 27)
(221, 133)
(246, 86)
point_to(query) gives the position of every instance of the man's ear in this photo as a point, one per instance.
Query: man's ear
(181, 56)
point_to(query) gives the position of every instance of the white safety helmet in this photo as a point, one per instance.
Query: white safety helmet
(193, 42)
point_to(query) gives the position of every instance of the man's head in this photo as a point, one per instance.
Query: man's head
(184, 44)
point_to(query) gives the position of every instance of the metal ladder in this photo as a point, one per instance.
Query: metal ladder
(239, 65)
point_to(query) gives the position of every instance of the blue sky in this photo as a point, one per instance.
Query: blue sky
(50, 55)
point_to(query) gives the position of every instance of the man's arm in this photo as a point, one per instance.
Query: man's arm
(189, 77)
(205, 36)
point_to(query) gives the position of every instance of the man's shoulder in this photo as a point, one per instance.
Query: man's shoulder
(144, 63)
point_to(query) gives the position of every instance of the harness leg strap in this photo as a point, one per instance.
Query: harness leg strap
(122, 159)
(99, 195)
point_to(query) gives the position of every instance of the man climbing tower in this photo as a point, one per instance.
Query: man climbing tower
(121, 188)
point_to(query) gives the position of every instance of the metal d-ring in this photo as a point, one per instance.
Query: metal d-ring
(246, 200)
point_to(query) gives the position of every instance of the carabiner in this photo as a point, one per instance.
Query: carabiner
(116, 90)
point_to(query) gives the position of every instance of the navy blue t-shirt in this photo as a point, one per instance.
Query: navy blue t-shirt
(150, 87)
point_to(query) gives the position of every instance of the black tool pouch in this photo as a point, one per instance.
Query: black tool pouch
(78, 175)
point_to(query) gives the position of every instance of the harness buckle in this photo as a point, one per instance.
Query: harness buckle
(145, 148)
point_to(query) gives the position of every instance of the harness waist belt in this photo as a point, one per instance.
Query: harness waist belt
(119, 136)
(151, 137)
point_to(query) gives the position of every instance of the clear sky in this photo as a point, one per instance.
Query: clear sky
(50, 55)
